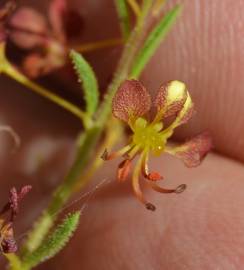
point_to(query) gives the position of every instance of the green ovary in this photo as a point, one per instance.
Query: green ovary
(147, 136)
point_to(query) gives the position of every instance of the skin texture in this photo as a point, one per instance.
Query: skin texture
(199, 229)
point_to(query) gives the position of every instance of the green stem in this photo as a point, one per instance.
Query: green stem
(14, 261)
(124, 17)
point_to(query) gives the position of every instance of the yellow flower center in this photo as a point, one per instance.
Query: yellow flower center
(148, 136)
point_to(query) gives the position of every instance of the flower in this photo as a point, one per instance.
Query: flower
(131, 103)
(48, 40)
(7, 240)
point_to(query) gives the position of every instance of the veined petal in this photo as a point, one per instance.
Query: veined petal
(28, 28)
(193, 151)
(170, 99)
(182, 117)
(131, 101)
(186, 113)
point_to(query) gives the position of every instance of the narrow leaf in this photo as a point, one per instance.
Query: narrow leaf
(88, 80)
(124, 17)
(53, 243)
(153, 41)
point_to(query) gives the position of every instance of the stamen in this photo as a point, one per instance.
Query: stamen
(150, 206)
(180, 188)
(157, 188)
(152, 176)
(137, 188)
(144, 168)
(105, 155)
(121, 152)
(131, 154)
(123, 170)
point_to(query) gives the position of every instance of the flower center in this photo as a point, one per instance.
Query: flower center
(148, 136)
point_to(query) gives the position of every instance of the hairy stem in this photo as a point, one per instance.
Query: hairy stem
(124, 17)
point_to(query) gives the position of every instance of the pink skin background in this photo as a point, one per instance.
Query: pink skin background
(199, 229)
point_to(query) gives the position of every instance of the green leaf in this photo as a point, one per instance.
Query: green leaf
(88, 80)
(53, 243)
(153, 41)
(124, 17)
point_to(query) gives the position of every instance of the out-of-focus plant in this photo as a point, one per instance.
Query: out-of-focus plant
(7, 240)
(49, 41)
(130, 103)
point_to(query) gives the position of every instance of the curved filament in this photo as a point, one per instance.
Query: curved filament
(123, 170)
(152, 176)
(119, 153)
(132, 152)
(136, 185)
(157, 188)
